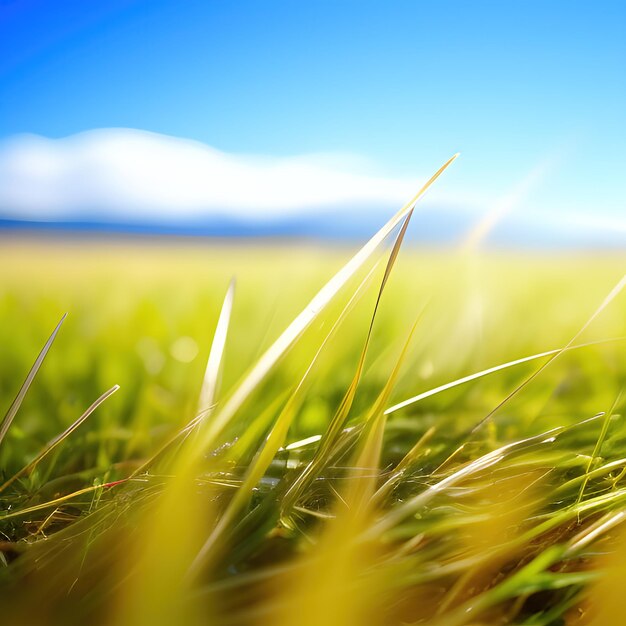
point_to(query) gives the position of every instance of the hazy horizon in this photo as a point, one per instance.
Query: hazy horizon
(264, 129)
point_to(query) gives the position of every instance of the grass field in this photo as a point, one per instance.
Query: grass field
(430, 513)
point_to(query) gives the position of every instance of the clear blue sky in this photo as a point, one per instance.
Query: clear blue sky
(403, 83)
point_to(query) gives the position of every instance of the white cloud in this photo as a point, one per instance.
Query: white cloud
(125, 175)
(121, 174)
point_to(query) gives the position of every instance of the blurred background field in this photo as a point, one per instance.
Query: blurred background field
(142, 314)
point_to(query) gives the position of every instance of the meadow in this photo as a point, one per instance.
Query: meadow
(305, 490)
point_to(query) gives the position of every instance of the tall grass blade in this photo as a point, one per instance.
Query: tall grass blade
(335, 580)
(210, 381)
(8, 418)
(214, 364)
(337, 423)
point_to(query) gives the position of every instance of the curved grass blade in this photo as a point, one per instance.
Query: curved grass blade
(491, 370)
(488, 460)
(595, 530)
(8, 418)
(51, 445)
(609, 298)
(595, 473)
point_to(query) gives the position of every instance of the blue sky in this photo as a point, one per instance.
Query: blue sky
(392, 88)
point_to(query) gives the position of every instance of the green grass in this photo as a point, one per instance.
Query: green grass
(427, 514)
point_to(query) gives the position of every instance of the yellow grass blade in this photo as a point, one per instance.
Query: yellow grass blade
(214, 363)
(334, 584)
(210, 380)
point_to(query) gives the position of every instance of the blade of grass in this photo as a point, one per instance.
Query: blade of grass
(598, 446)
(598, 471)
(609, 298)
(59, 500)
(403, 465)
(337, 585)
(491, 370)
(8, 418)
(362, 484)
(214, 364)
(210, 381)
(336, 425)
(595, 530)
(51, 445)
(340, 572)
